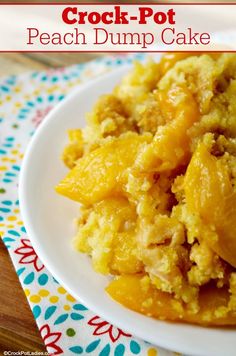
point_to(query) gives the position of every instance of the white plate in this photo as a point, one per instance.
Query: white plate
(48, 218)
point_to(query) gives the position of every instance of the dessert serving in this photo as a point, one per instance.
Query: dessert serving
(154, 170)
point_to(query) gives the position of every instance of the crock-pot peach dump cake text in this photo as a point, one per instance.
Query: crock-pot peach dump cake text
(155, 173)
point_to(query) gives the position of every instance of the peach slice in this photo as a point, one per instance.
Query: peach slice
(209, 193)
(130, 291)
(101, 173)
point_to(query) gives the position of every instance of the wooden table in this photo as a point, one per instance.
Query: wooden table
(18, 330)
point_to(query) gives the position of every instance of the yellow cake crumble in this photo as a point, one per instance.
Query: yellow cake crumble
(154, 171)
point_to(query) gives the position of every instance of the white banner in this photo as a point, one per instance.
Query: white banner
(116, 27)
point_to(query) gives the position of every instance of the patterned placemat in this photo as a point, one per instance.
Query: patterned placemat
(67, 327)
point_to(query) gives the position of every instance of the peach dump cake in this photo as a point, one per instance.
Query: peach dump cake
(154, 171)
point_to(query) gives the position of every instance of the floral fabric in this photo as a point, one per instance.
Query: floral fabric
(67, 327)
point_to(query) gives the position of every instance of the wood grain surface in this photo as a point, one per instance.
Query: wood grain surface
(18, 329)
